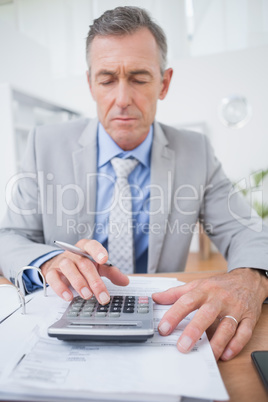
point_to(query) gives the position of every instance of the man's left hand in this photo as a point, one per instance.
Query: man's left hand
(239, 294)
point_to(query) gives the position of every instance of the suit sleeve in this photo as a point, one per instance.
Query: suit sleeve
(21, 230)
(232, 225)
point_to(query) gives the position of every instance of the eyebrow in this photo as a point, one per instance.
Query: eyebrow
(140, 72)
(133, 72)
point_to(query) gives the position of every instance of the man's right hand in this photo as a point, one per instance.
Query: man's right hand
(82, 274)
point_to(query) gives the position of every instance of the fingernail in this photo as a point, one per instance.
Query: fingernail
(165, 327)
(66, 295)
(186, 343)
(101, 256)
(104, 298)
(86, 293)
(227, 354)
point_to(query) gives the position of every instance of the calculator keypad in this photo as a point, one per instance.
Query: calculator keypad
(124, 318)
(117, 306)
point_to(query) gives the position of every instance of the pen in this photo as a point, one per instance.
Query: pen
(77, 250)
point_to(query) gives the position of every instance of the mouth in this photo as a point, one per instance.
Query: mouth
(124, 119)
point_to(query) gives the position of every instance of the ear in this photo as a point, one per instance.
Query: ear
(165, 83)
(89, 84)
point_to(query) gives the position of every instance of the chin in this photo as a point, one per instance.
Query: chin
(125, 140)
(122, 135)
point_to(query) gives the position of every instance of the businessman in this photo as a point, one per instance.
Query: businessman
(123, 186)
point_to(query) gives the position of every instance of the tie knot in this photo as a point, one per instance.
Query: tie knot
(123, 167)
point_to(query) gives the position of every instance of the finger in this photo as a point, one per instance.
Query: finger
(95, 249)
(222, 336)
(90, 274)
(183, 306)
(53, 278)
(171, 295)
(100, 255)
(114, 274)
(202, 320)
(241, 338)
(73, 274)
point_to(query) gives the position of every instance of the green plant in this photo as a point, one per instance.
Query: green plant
(260, 207)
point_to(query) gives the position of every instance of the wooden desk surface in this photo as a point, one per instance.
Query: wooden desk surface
(239, 375)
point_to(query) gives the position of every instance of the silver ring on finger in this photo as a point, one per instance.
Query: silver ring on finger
(229, 316)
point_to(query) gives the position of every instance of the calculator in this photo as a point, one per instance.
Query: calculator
(124, 318)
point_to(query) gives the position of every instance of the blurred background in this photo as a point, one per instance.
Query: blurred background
(218, 49)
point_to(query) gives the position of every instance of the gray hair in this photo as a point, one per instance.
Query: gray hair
(125, 21)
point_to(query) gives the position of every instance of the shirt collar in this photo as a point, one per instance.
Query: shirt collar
(108, 149)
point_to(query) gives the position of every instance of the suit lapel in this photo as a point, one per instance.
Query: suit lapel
(85, 169)
(162, 175)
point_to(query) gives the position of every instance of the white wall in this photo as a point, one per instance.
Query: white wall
(26, 65)
(23, 62)
(198, 86)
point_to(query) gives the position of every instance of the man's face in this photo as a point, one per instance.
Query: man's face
(126, 82)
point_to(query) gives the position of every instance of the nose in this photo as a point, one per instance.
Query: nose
(123, 98)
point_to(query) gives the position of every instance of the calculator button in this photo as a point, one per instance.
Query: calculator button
(77, 303)
(114, 314)
(117, 300)
(85, 314)
(90, 302)
(72, 314)
(129, 304)
(100, 314)
(88, 308)
(143, 305)
(117, 304)
(102, 308)
(143, 310)
(75, 308)
(143, 300)
(115, 308)
(128, 310)
(77, 299)
(130, 298)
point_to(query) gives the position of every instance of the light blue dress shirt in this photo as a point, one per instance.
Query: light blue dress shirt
(139, 181)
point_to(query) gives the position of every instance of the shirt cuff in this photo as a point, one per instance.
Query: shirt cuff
(31, 278)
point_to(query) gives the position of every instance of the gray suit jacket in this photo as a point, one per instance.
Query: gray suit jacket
(187, 184)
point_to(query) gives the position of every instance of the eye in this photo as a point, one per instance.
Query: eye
(106, 83)
(139, 82)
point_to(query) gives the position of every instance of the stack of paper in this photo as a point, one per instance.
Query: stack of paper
(37, 367)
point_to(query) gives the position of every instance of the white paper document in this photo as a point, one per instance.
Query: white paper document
(44, 367)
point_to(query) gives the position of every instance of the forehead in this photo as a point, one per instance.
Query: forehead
(134, 50)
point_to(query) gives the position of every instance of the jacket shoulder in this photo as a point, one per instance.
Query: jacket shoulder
(188, 141)
(71, 128)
